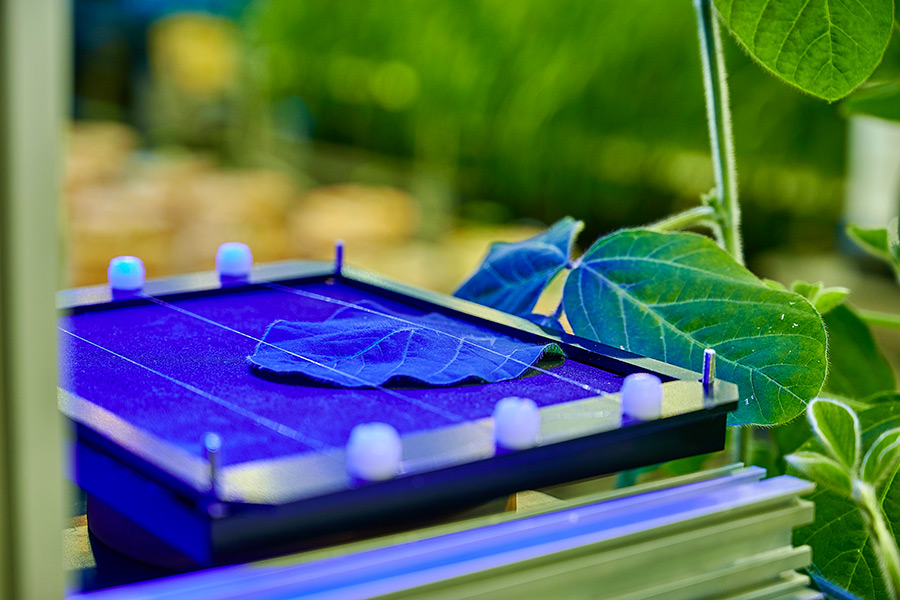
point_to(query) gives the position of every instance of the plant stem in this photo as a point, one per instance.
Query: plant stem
(697, 216)
(883, 542)
(879, 319)
(718, 114)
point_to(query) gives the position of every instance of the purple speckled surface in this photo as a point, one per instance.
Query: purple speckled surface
(200, 380)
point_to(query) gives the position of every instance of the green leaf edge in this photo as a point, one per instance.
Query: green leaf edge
(810, 463)
(778, 76)
(767, 283)
(884, 469)
(827, 443)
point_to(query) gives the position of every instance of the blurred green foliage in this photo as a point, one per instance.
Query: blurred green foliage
(593, 109)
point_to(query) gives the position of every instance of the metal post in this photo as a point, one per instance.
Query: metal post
(709, 374)
(34, 37)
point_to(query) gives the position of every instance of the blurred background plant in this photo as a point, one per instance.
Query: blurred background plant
(479, 113)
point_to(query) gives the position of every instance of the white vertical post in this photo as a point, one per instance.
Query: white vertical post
(34, 44)
(872, 195)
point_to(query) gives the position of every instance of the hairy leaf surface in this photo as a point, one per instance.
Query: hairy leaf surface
(836, 427)
(671, 296)
(882, 457)
(842, 551)
(513, 275)
(824, 47)
(369, 345)
(821, 470)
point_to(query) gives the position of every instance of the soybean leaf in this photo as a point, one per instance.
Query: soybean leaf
(548, 321)
(822, 298)
(880, 100)
(842, 552)
(789, 437)
(672, 295)
(873, 241)
(366, 345)
(831, 591)
(513, 275)
(824, 47)
(856, 367)
(822, 470)
(836, 427)
(882, 458)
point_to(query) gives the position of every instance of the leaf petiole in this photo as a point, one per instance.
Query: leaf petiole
(879, 319)
(699, 216)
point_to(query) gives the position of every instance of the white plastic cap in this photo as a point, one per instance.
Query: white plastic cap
(517, 423)
(126, 273)
(234, 259)
(642, 396)
(374, 452)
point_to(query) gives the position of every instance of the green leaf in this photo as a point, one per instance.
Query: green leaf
(883, 244)
(842, 551)
(806, 289)
(856, 367)
(873, 241)
(775, 285)
(672, 295)
(824, 47)
(830, 298)
(513, 275)
(836, 427)
(831, 591)
(823, 471)
(880, 100)
(882, 458)
(823, 298)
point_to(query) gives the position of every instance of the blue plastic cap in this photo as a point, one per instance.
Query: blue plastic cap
(234, 259)
(126, 273)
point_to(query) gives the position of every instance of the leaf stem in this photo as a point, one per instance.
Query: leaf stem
(883, 542)
(718, 114)
(879, 319)
(697, 216)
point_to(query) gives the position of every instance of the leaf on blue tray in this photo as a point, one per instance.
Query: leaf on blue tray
(513, 275)
(670, 296)
(366, 345)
